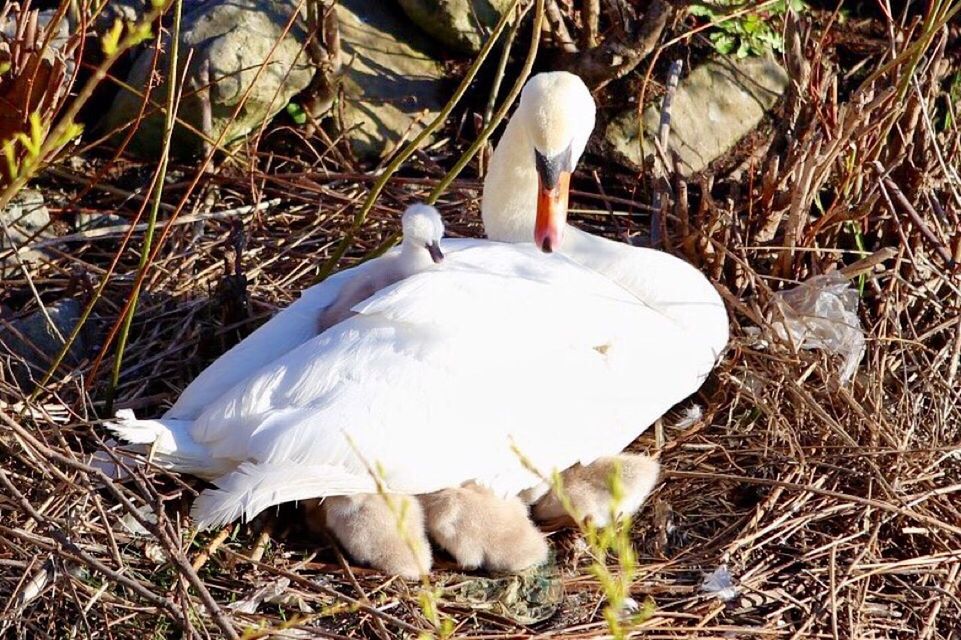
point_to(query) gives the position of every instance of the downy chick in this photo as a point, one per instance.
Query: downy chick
(589, 490)
(389, 538)
(422, 228)
(480, 529)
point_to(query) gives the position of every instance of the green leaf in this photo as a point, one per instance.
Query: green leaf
(723, 43)
(72, 131)
(296, 113)
(111, 40)
(13, 167)
(138, 33)
(753, 23)
(750, 33)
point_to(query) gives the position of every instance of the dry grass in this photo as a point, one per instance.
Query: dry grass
(835, 507)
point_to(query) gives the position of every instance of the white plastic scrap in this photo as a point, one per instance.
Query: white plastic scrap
(822, 313)
(36, 584)
(720, 584)
(629, 605)
(691, 415)
(132, 524)
(273, 592)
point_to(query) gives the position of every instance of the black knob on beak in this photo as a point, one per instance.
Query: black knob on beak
(433, 248)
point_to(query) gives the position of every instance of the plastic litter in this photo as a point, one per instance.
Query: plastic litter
(821, 313)
(273, 592)
(629, 605)
(720, 584)
(690, 415)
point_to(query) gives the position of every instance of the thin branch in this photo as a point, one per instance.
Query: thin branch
(501, 113)
(590, 16)
(908, 208)
(618, 55)
(663, 138)
(559, 28)
(173, 104)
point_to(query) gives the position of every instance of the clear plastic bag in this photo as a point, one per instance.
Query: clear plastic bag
(821, 313)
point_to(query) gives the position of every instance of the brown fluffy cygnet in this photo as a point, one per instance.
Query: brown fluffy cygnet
(373, 534)
(480, 529)
(589, 489)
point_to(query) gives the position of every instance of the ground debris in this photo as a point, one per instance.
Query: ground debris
(720, 584)
(821, 313)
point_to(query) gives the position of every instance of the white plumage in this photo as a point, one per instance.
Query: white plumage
(420, 250)
(434, 380)
(443, 377)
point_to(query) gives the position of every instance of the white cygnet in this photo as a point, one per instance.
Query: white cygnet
(423, 229)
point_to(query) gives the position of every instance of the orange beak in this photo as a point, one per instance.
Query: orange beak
(551, 213)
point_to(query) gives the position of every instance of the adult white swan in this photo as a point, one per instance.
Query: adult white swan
(441, 378)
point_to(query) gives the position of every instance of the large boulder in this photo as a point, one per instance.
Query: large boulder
(231, 40)
(29, 344)
(462, 25)
(392, 84)
(715, 106)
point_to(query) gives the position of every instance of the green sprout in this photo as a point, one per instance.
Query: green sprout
(110, 41)
(31, 142)
(296, 113)
(611, 541)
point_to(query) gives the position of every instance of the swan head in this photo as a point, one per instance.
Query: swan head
(557, 112)
(423, 228)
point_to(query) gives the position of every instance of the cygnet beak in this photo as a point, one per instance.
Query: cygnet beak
(433, 248)
(553, 184)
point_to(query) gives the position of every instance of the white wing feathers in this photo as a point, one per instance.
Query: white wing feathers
(290, 328)
(434, 383)
(251, 488)
(169, 444)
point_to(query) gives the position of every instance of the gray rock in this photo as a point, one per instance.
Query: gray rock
(123, 10)
(25, 217)
(715, 106)
(231, 39)
(28, 345)
(462, 25)
(57, 48)
(392, 86)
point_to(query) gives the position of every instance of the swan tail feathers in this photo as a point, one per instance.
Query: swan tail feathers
(129, 428)
(253, 487)
(167, 441)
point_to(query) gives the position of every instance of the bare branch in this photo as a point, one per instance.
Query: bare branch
(619, 54)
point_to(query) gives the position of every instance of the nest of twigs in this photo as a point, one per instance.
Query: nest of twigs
(834, 506)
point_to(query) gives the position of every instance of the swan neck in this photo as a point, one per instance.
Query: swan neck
(510, 187)
(414, 256)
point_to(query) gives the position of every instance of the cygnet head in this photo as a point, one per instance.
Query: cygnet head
(423, 228)
(558, 112)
